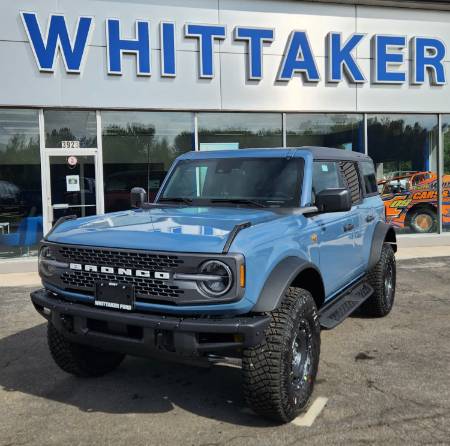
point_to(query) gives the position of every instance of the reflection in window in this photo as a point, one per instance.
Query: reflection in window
(342, 131)
(239, 130)
(70, 125)
(326, 175)
(404, 150)
(446, 177)
(20, 183)
(237, 181)
(138, 149)
(369, 178)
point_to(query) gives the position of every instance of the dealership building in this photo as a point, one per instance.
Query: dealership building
(99, 96)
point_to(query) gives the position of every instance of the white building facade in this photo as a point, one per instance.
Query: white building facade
(98, 96)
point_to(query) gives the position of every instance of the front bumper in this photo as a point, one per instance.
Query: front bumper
(149, 334)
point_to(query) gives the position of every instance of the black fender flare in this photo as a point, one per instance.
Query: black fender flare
(278, 282)
(383, 233)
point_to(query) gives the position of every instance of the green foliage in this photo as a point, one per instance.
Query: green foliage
(399, 145)
(20, 149)
(137, 143)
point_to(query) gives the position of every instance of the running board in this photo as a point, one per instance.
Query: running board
(334, 312)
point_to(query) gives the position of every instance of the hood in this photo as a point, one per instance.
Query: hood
(180, 229)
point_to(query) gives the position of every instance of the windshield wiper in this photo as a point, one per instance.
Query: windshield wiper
(176, 200)
(238, 201)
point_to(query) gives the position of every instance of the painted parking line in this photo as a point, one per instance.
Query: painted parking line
(307, 419)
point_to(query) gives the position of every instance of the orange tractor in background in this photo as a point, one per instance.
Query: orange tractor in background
(411, 200)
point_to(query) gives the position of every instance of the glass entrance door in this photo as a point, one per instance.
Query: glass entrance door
(72, 186)
(72, 164)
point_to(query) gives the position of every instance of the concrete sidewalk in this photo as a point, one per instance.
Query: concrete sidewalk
(24, 272)
(19, 279)
(419, 252)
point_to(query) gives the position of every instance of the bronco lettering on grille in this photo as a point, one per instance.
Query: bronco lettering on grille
(161, 275)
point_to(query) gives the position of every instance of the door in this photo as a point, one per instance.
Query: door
(72, 186)
(337, 248)
(353, 183)
(371, 210)
(72, 166)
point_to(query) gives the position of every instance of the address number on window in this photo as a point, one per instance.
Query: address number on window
(70, 144)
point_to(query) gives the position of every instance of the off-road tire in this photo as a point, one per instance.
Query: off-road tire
(422, 213)
(80, 360)
(268, 367)
(382, 300)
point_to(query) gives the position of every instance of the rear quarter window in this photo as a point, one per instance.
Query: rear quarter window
(369, 178)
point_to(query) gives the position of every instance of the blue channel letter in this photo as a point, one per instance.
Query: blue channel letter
(45, 49)
(255, 37)
(206, 35)
(428, 54)
(298, 58)
(168, 54)
(139, 46)
(341, 59)
(387, 51)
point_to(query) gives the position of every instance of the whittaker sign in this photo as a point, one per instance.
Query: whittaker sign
(395, 59)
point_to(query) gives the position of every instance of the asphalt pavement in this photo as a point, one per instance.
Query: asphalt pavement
(384, 381)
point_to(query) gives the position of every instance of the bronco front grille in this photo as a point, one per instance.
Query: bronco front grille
(151, 273)
(143, 286)
(120, 259)
(146, 288)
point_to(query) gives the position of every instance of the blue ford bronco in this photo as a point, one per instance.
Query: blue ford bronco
(244, 254)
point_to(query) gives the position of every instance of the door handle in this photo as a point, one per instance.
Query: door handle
(349, 227)
(61, 206)
(370, 218)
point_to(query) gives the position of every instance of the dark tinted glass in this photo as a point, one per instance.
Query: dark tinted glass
(369, 178)
(73, 190)
(404, 150)
(326, 175)
(20, 183)
(138, 149)
(339, 130)
(239, 130)
(70, 125)
(271, 181)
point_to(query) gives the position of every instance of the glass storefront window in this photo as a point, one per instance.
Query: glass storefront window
(239, 130)
(404, 149)
(138, 149)
(68, 128)
(446, 177)
(342, 131)
(20, 183)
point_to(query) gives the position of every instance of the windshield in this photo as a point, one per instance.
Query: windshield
(258, 182)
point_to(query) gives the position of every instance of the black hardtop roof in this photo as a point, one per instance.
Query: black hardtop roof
(318, 153)
(328, 153)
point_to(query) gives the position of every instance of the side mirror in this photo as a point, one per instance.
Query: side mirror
(138, 197)
(334, 200)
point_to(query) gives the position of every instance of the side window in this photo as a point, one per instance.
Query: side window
(350, 173)
(326, 175)
(369, 178)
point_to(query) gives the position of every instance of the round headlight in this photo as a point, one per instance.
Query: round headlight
(221, 278)
(45, 267)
